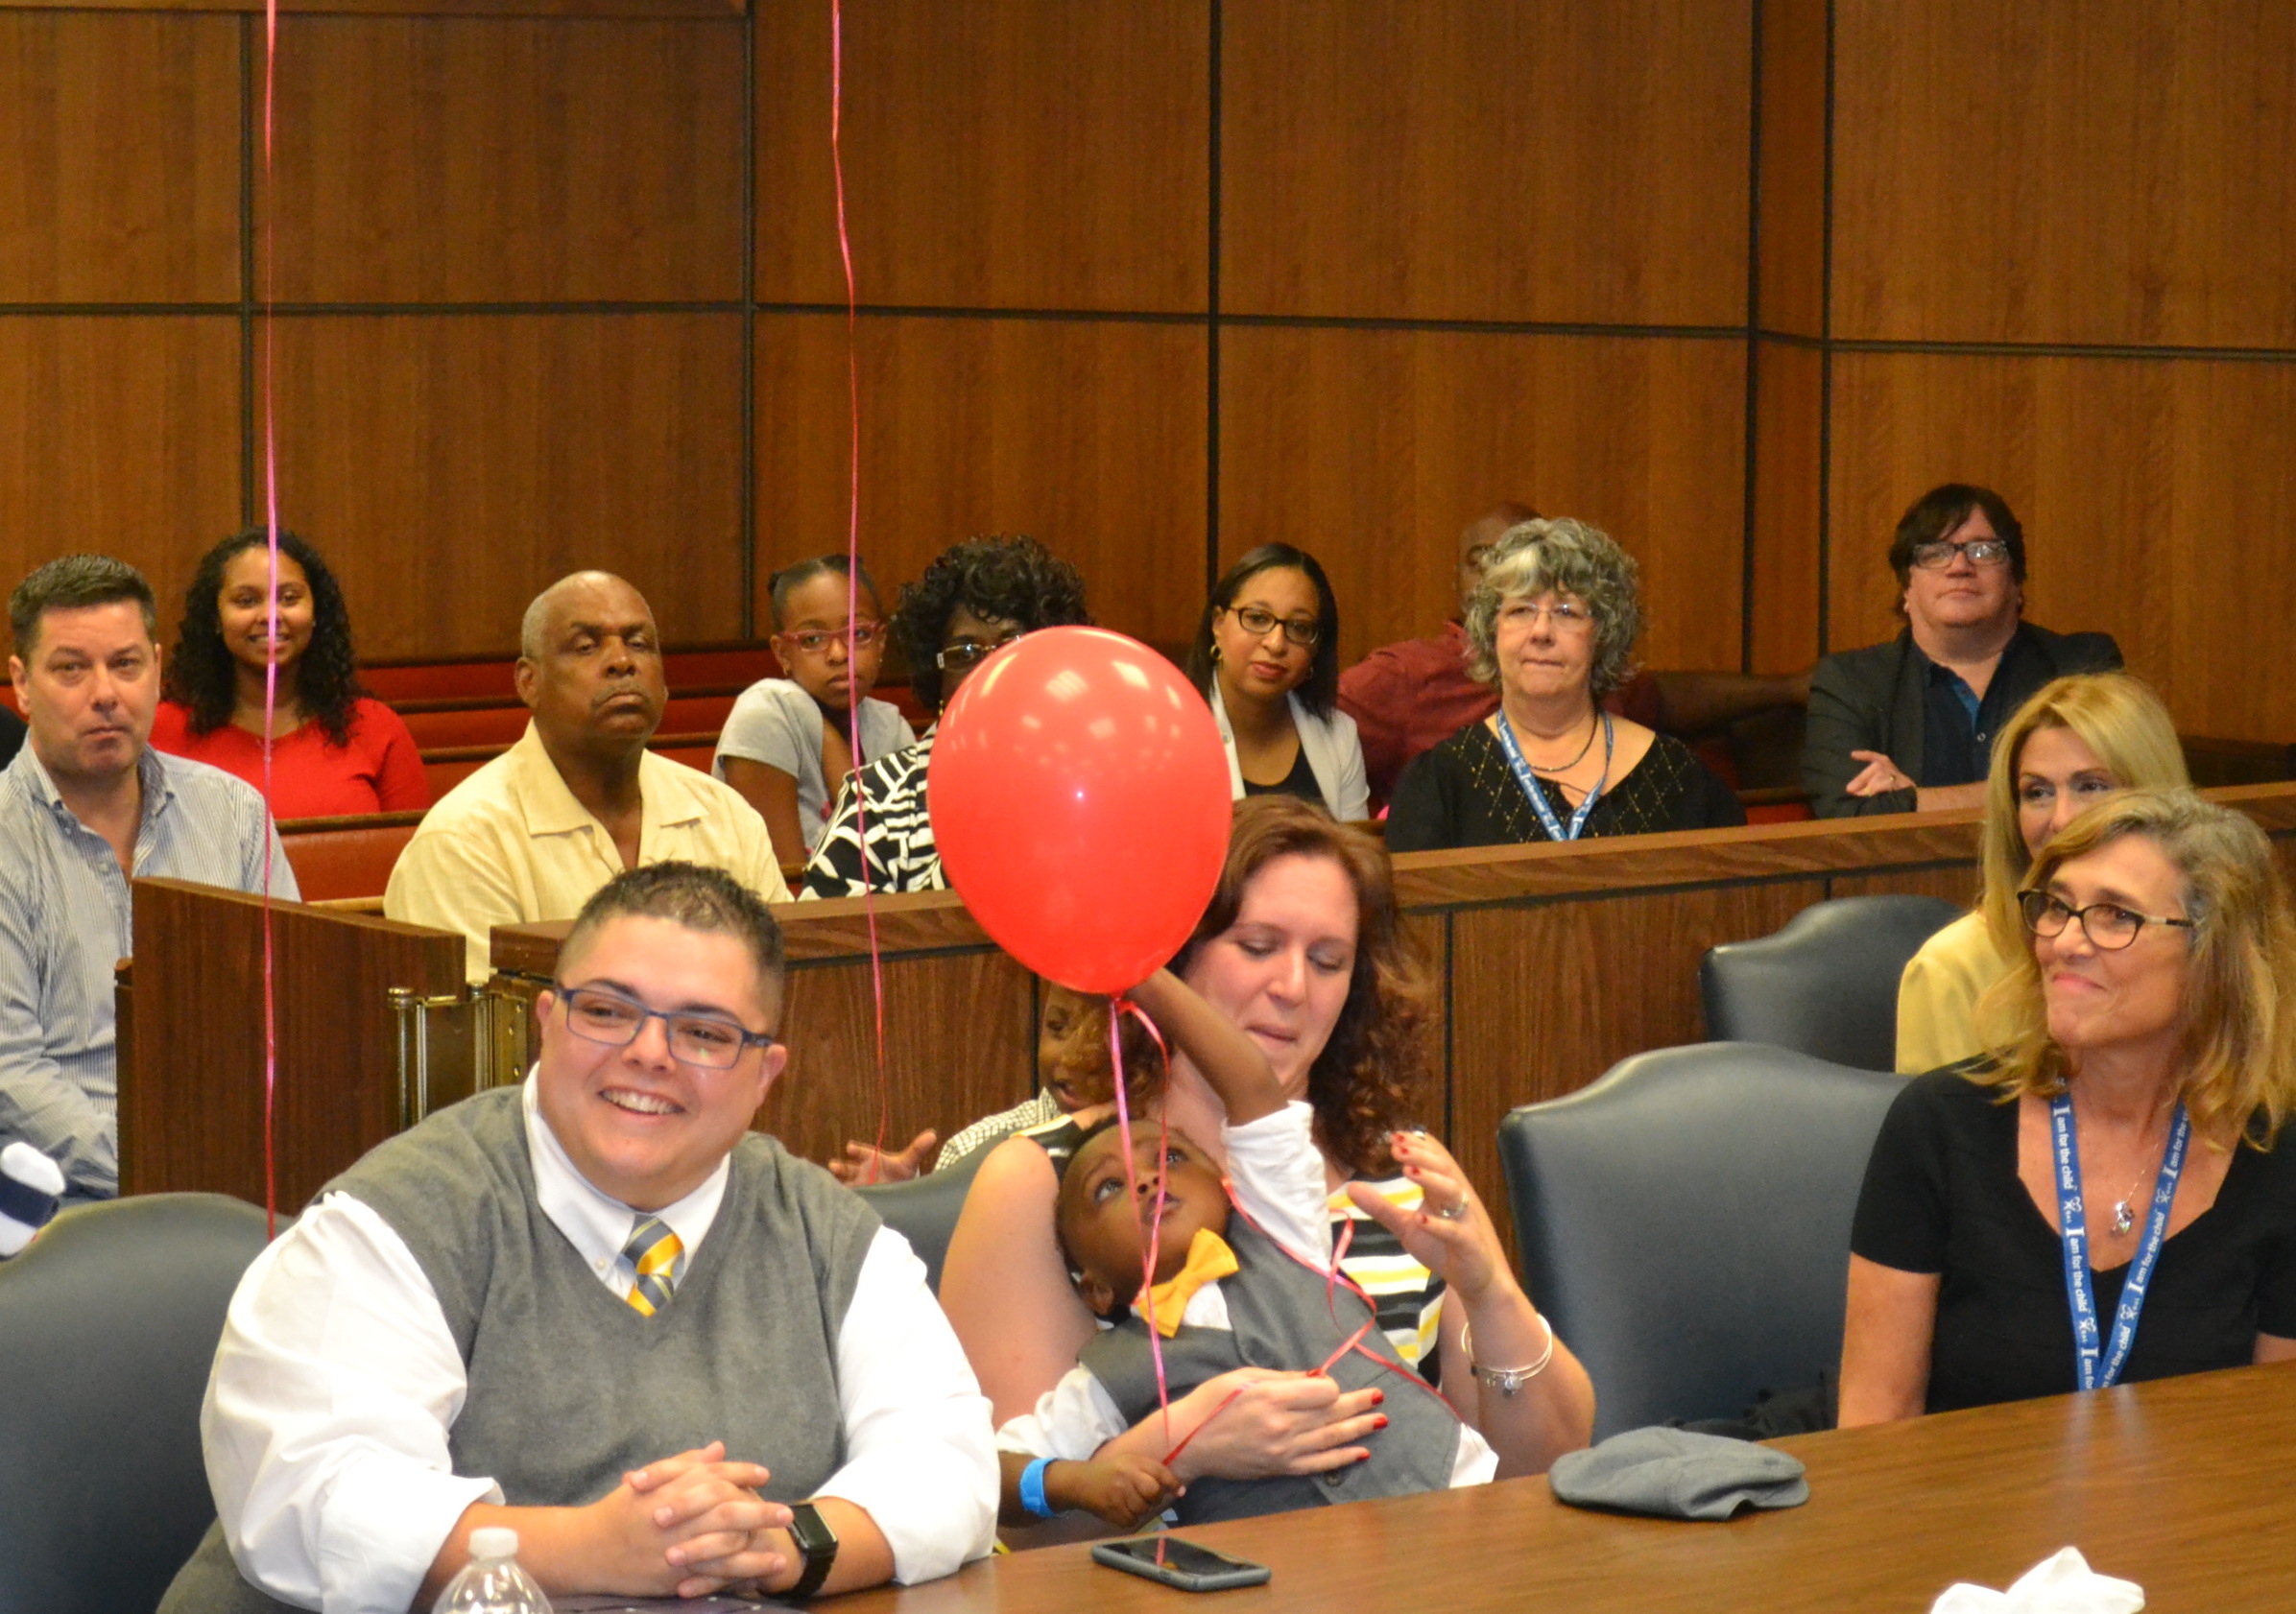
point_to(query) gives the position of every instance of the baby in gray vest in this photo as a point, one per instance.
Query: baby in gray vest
(1243, 1277)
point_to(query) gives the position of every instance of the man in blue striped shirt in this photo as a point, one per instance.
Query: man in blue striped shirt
(85, 806)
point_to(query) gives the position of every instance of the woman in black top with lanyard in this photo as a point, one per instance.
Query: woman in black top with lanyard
(2100, 1200)
(1553, 624)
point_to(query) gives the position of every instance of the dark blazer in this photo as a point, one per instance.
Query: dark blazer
(1873, 700)
(11, 735)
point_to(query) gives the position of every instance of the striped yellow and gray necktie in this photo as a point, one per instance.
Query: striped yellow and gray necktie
(654, 1250)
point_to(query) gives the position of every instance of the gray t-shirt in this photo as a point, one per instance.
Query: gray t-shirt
(776, 723)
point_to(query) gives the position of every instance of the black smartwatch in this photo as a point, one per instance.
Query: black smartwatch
(814, 1538)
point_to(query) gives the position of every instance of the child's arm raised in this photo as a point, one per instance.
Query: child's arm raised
(1234, 1065)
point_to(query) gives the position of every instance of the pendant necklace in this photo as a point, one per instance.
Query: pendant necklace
(2124, 1210)
(1593, 727)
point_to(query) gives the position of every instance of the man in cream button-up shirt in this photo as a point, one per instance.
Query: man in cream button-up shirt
(579, 799)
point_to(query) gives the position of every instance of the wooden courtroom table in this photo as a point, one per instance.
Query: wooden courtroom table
(1551, 963)
(2181, 1485)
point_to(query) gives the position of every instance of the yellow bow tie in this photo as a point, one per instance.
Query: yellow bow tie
(1210, 1260)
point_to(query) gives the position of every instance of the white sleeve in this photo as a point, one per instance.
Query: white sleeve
(1354, 803)
(1073, 1420)
(326, 1420)
(1278, 1175)
(920, 1457)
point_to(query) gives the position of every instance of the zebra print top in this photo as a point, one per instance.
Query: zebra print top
(1408, 1298)
(898, 844)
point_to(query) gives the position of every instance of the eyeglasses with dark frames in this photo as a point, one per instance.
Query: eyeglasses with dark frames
(2108, 925)
(1260, 621)
(599, 1015)
(1936, 556)
(972, 653)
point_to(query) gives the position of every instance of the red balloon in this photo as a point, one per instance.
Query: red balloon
(1080, 802)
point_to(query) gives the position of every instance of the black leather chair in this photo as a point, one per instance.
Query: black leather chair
(924, 1210)
(107, 1327)
(1824, 984)
(1685, 1223)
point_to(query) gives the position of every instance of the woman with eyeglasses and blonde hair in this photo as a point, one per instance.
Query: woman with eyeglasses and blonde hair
(2100, 1200)
(1553, 625)
(1266, 656)
(2076, 742)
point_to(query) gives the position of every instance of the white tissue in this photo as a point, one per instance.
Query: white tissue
(36, 1172)
(2060, 1584)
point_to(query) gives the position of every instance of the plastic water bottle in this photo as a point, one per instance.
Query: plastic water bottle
(491, 1582)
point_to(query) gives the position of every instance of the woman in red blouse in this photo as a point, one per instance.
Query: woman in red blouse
(335, 751)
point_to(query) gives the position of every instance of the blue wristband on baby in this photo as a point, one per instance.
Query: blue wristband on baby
(1032, 1489)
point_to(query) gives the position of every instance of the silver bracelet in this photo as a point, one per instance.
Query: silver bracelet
(1507, 1380)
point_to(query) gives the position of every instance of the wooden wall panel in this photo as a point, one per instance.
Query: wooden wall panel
(454, 466)
(1371, 448)
(1541, 1003)
(119, 158)
(2158, 496)
(1571, 160)
(119, 434)
(1087, 435)
(2106, 170)
(960, 1043)
(1789, 447)
(1792, 247)
(418, 8)
(435, 160)
(1033, 154)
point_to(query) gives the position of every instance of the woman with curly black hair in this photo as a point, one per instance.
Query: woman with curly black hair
(976, 596)
(335, 752)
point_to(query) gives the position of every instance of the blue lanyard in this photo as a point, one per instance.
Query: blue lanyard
(2074, 1223)
(1529, 781)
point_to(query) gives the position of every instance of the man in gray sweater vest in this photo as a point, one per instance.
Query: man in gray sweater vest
(598, 1309)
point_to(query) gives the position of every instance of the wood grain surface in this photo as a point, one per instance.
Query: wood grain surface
(2158, 498)
(1449, 160)
(2033, 170)
(121, 138)
(191, 1096)
(1033, 154)
(119, 434)
(452, 466)
(1789, 452)
(2177, 1485)
(1793, 116)
(1089, 435)
(504, 160)
(1370, 449)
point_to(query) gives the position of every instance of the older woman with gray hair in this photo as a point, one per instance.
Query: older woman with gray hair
(1553, 625)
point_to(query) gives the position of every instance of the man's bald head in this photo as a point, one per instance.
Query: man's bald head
(1479, 536)
(537, 628)
(589, 665)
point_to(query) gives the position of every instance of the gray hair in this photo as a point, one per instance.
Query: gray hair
(1561, 557)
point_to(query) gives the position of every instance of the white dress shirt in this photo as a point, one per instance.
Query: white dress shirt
(326, 1417)
(1277, 1174)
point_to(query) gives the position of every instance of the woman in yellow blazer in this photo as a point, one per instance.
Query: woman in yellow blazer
(2077, 741)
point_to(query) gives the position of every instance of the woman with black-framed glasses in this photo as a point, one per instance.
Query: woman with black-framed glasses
(1266, 656)
(2100, 1200)
(976, 596)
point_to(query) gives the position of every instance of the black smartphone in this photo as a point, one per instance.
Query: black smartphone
(1179, 1563)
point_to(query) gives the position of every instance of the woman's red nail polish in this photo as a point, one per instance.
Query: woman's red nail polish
(1379, 1422)
(1379, 1397)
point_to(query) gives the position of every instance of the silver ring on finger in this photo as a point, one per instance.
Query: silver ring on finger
(1453, 1211)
